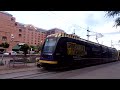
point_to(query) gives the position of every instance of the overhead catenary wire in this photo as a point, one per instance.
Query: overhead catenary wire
(93, 33)
(77, 26)
(68, 21)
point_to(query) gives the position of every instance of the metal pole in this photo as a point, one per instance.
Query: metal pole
(88, 34)
(74, 31)
(112, 44)
(97, 38)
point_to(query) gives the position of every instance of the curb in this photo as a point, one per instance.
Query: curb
(17, 71)
(14, 70)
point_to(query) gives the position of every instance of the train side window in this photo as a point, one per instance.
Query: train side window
(88, 48)
(95, 48)
(104, 49)
(114, 52)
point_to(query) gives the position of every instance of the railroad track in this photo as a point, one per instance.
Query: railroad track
(38, 73)
(41, 74)
(10, 72)
(21, 73)
(30, 74)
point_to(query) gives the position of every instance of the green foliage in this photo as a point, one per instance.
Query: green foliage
(33, 47)
(117, 22)
(39, 47)
(5, 45)
(113, 14)
(36, 48)
(25, 48)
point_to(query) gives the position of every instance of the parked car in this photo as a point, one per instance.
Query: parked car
(10, 53)
(20, 52)
(6, 53)
(32, 52)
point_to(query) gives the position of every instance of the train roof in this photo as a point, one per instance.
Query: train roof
(73, 36)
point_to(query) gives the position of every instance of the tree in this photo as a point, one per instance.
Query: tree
(25, 49)
(39, 47)
(33, 47)
(5, 45)
(113, 14)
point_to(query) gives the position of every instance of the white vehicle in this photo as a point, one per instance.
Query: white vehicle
(6, 53)
(10, 53)
(31, 52)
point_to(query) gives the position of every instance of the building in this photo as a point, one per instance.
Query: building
(7, 29)
(14, 32)
(54, 30)
(33, 35)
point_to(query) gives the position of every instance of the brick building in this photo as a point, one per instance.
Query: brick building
(32, 35)
(14, 32)
(54, 30)
(7, 28)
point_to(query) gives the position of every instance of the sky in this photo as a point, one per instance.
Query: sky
(80, 21)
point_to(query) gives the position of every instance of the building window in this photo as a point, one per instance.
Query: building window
(20, 35)
(4, 38)
(12, 19)
(20, 30)
(15, 24)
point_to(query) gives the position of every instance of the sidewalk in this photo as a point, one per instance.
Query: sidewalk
(17, 68)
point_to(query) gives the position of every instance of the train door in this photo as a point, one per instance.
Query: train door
(114, 54)
(104, 53)
(96, 51)
(60, 51)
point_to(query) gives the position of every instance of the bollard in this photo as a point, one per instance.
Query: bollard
(5, 62)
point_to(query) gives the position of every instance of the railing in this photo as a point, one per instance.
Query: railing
(19, 59)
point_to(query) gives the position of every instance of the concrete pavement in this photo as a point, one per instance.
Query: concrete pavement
(17, 68)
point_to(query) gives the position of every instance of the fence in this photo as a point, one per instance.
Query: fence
(19, 59)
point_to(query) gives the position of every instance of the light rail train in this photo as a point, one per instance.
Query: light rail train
(60, 50)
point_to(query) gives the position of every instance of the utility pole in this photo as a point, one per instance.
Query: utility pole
(112, 44)
(97, 38)
(88, 34)
(74, 31)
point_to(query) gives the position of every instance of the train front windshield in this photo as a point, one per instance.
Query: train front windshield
(49, 46)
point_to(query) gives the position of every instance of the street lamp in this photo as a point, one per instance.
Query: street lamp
(41, 41)
(12, 37)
